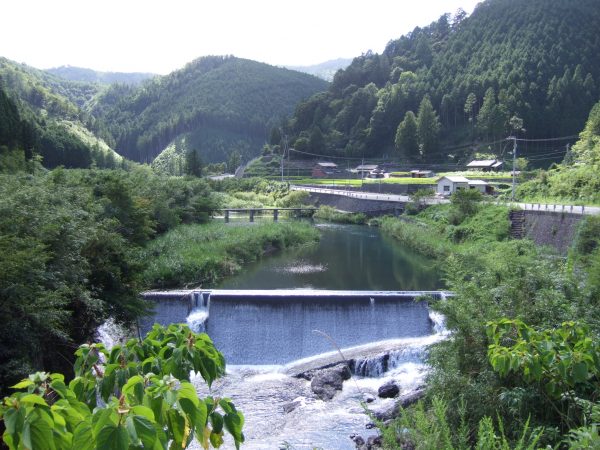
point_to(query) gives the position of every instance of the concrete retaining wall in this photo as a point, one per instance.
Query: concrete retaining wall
(553, 229)
(356, 205)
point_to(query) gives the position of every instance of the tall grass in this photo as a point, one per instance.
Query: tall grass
(193, 255)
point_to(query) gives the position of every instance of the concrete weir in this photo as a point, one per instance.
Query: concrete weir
(279, 326)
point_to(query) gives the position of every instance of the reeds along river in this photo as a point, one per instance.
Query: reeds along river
(262, 339)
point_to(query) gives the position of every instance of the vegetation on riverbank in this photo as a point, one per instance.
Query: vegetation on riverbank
(74, 250)
(330, 214)
(495, 279)
(441, 230)
(201, 255)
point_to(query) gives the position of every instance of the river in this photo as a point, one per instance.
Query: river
(263, 341)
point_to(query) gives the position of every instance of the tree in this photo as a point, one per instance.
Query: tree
(407, 139)
(193, 163)
(234, 161)
(428, 129)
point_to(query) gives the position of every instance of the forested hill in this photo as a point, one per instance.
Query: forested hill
(93, 76)
(221, 103)
(51, 118)
(535, 60)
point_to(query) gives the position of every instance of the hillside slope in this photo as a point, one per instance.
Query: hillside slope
(94, 76)
(215, 99)
(51, 111)
(538, 60)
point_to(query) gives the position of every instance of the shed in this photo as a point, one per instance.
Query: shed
(322, 169)
(449, 184)
(422, 173)
(485, 165)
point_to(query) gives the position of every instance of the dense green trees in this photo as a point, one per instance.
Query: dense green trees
(532, 59)
(407, 140)
(576, 179)
(224, 94)
(69, 244)
(428, 128)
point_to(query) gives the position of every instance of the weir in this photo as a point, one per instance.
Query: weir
(277, 326)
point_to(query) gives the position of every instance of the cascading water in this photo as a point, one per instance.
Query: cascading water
(265, 341)
(198, 316)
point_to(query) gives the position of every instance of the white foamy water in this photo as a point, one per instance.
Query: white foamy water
(111, 334)
(303, 268)
(282, 410)
(196, 319)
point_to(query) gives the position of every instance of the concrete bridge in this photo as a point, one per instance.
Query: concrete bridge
(253, 211)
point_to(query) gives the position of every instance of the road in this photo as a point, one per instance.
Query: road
(559, 209)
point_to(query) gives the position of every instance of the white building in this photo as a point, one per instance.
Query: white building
(482, 186)
(449, 184)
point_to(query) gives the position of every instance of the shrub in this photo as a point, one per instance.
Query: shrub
(136, 395)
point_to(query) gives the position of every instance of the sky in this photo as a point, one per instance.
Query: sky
(162, 36)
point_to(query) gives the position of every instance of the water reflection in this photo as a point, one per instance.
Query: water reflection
(348, 257)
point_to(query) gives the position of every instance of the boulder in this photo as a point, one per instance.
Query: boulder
(368, 398)
(388, 390)
(403, 402)
(325, 383)
(289, 407)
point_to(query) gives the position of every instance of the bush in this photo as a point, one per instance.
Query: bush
(331, 215)
(136, 395)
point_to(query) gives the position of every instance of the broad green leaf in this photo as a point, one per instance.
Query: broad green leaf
(33, 399)
(82, 437)
(187, 390)
(14, 419)
(580, 372)
(60, 388)
(216, 439)
(112, 437)
(102, 418)
(217, 422)
(176, 425)
(22, 384)
(143, 430)
(144, 411)
(37, 433)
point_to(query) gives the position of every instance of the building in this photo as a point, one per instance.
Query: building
(450, 184)
(323, 169)
(482, 186)
(485, 165)
(366, 169)
(422, 174)
(376, 173)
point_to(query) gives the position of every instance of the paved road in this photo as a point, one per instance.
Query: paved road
(587, 210)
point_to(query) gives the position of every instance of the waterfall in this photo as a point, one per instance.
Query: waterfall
(438, 322)
(376, 366)
(198, 316)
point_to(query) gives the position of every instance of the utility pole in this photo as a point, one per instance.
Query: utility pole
(514, 168)
(283, 154)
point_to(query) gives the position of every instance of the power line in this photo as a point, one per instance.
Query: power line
(564, 138)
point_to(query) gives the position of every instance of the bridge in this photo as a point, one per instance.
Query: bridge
(253, 211)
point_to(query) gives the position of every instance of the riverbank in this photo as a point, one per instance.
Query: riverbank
(202, 255)
(494, 279)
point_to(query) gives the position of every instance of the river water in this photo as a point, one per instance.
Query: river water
(263, 341)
